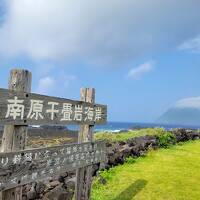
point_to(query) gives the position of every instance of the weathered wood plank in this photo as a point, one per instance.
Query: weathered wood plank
(14, 137)
(17, 168)
(21, 108)
(84, 175)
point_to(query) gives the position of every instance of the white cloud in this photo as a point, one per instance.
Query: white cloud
(192, 45)
(49, 85)
(192, 102)
(46, 84)
(101, 32)
(138, 72)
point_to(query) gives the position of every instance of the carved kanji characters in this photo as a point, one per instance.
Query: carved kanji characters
(67, 112)
(78, 113)
(89, 111)
(98, 113)
(52, 110)
(28, 157)
(4, 161)
(17, 159)
(15, 108)
(36, 109)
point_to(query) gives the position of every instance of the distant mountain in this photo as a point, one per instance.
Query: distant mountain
(181, 116)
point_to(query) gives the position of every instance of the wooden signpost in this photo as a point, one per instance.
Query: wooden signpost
(20, 108)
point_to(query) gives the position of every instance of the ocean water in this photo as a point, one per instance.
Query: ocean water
(118, 126)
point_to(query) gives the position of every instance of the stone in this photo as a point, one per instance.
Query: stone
(95, 169)
(125, 150)
(70, 184)
(61, 179)
(54, 183)
(24, 197)
(40, 187)
(31, 195)
(64, 196)
(58, 193)
(26, 188)
(65, 174)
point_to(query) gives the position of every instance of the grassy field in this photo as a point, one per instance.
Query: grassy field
(165, 174)
(39, 141)
(112, 137)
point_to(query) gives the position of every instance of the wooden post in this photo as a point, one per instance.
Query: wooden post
(84, 175)
(14, 137)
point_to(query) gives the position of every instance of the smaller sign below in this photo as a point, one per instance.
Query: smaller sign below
(22, 167)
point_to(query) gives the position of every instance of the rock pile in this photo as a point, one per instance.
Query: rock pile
(63, 188)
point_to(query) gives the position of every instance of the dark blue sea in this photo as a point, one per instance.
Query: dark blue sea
(119, 126)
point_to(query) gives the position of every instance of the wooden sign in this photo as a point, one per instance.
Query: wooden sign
(18, 168)
(21, 108)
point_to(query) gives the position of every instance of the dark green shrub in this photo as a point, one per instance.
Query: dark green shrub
(130, 160)
(166, 139)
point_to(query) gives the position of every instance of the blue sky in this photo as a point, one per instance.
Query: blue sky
(141, 57)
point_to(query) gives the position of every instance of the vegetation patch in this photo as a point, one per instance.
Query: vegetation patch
(166, 139)
(124, 136)
(165, 174)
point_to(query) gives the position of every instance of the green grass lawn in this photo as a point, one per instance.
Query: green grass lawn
(165, 174)
(112, 137)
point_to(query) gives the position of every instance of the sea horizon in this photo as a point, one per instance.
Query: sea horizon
(113, 126)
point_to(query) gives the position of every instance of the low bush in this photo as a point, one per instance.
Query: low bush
(166, 139)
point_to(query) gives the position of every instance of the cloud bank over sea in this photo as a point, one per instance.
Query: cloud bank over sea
(103, 33)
